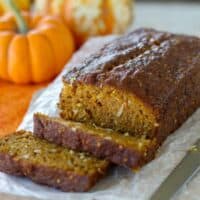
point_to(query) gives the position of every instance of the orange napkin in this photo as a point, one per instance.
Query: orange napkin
(14, 102)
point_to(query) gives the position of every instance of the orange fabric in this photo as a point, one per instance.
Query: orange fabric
(14, 101)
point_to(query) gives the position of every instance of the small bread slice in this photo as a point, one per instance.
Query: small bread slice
(23, 154)
(121, 149)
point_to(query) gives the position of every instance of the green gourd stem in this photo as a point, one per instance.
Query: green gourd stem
(21, 23)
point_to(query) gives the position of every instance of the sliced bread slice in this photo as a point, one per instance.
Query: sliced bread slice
(122, 149)
(23, 154)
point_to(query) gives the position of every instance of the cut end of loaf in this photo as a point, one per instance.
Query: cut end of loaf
(107, 107)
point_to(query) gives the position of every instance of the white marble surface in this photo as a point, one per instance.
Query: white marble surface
(122, 184)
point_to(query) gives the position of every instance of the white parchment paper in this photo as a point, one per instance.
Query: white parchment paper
(120, 183)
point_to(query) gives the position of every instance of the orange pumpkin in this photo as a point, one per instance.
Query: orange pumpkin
(36, 56)
(88, 18)
(22, 4)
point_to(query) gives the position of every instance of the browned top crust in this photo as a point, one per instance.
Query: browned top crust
(145, 62)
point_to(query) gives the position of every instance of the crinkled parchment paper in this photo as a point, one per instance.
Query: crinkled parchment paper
(120, 183)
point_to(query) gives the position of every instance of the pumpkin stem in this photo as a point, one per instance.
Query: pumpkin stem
(21, 23)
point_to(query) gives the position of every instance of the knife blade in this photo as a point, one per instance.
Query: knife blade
(184, 171)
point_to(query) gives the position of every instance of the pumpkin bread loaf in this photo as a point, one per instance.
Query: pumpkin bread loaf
(145, 83)
(124, 150)
(23, 154)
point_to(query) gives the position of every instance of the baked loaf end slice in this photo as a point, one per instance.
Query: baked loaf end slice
(128, 151)
(23, 154)
(144, 83)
